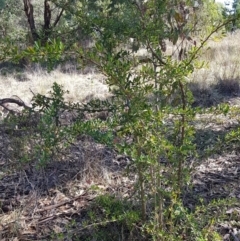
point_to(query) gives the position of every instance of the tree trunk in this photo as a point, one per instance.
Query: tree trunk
(47, 22)
(47, 28)
(28, 9)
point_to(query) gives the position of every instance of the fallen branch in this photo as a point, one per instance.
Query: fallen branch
(5, 101)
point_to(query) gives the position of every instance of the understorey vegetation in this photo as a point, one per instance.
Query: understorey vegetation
(131, 165)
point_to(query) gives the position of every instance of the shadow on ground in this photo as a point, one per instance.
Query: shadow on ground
(42, 201)
(222, 91)
(216, 170)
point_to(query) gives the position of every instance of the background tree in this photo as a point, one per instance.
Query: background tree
(236, 12)
(2, 4)
(67, 21)
(48, 25)
(11, 15)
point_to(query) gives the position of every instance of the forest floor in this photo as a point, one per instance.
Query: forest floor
(54, 203)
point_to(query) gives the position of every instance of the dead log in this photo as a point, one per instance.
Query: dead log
(5, 101)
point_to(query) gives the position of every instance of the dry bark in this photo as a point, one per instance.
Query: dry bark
(28, 9)
(47, 27)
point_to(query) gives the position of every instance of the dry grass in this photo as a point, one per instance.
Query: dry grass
(222, 68)
(36, 202)
(221, 73)
(81, 87)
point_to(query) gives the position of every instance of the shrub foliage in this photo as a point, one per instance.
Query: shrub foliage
(150, 109)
